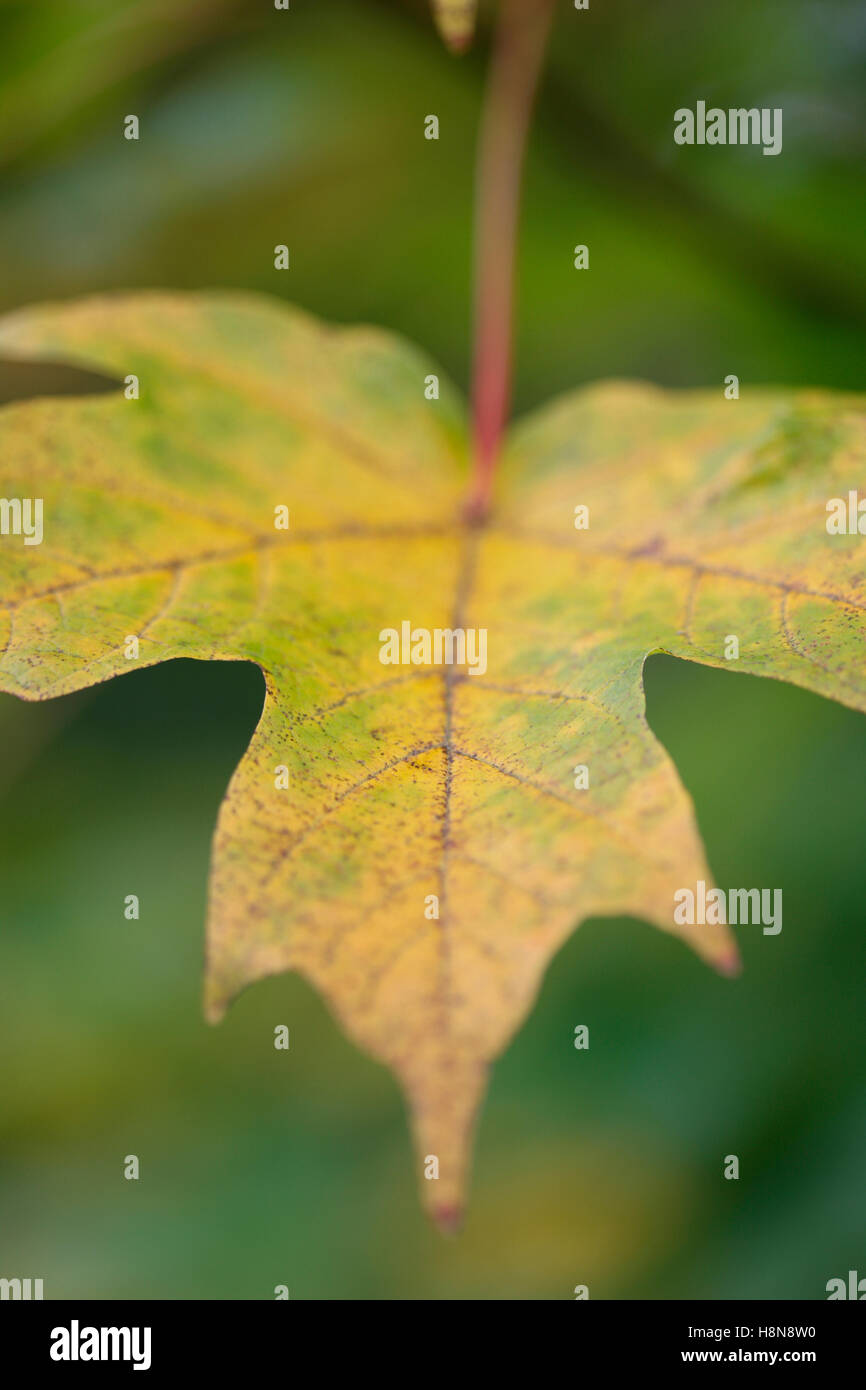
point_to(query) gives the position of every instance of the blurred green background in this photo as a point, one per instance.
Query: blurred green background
(601, 1167)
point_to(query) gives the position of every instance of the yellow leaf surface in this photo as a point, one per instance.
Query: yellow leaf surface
(410, 784)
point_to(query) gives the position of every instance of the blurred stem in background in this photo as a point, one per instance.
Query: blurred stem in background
(519, 44)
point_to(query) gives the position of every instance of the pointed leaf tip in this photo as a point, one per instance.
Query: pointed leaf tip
(730, 964)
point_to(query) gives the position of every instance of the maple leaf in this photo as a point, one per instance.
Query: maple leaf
(417, 785)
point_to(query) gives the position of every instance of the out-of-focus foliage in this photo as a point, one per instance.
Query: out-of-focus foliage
(306, 127)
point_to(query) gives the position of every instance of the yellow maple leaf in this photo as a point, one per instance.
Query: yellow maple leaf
(413, 838)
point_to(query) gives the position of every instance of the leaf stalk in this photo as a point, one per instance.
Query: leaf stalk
(518, 51)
